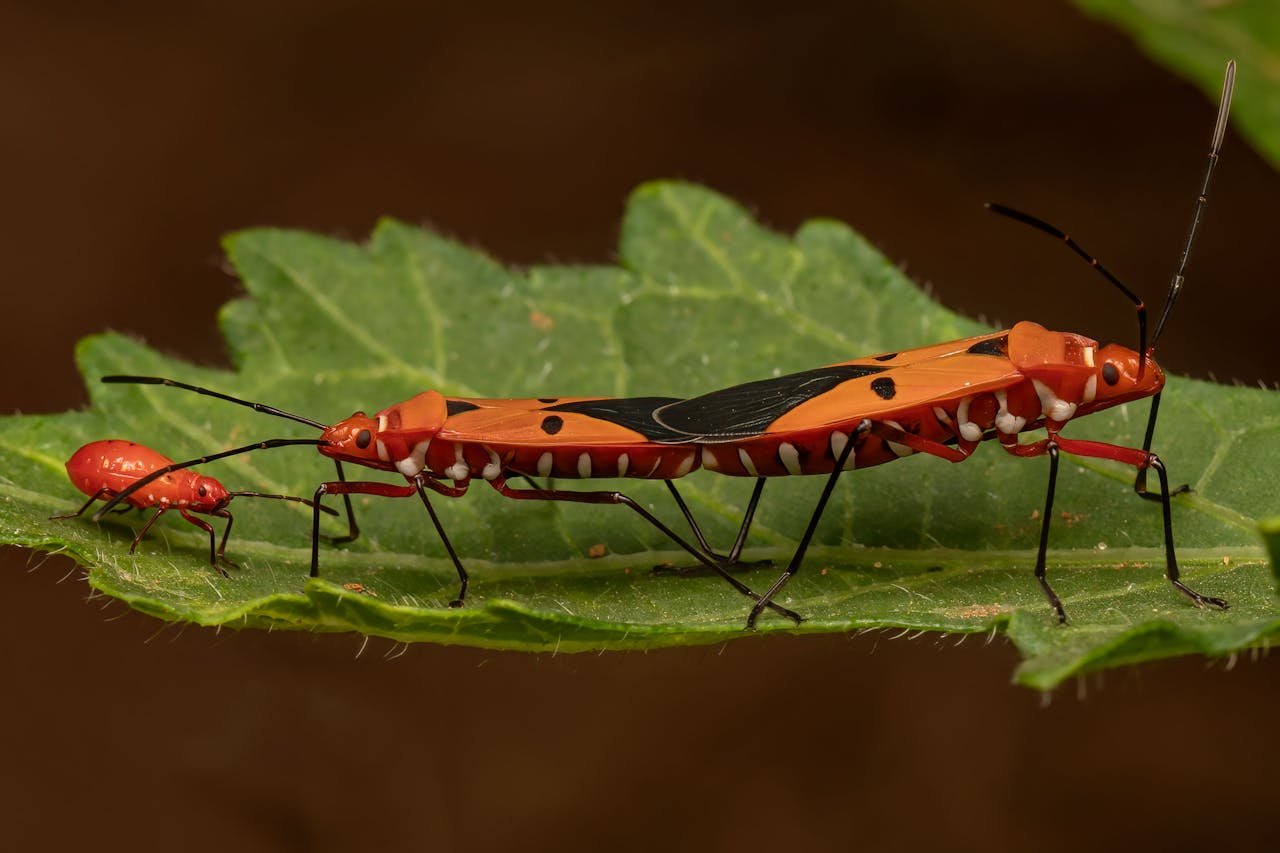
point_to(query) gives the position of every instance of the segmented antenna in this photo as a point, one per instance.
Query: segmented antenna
(1145, 352)
(293, 498)
(1219, 131)
(173, 383)
(1053, 231)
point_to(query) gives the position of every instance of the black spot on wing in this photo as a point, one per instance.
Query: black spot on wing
(885, 387)
(750, 408)
(889, 356)
(547, 399)
(457, 407)
(992, 346)
(633, 413)
(552, 424)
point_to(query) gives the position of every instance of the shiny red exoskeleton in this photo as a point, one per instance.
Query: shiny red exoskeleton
(105, 469)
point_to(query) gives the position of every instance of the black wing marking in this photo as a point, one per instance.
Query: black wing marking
(992, 346)
(457, 407)
(750, 408)
(634, 413)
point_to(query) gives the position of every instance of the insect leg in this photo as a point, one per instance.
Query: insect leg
(1145, 459)
(615, 498)
(898, 435)
(736, 550)
(213, 539)
(1051, 447)
(343, 487)
(389, 490)
(1140, 482)
(353, 529)
(731, 559)
(102, 493)
(798, 557)
(226, 534)
(688, 516)
(444, 537)
(1048, 446)
(1171, 561)
(145, 528)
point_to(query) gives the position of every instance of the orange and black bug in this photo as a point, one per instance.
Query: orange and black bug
(430, 439)
(106, 470)
(944, 400)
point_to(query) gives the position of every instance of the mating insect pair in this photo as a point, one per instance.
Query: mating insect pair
(942, 400)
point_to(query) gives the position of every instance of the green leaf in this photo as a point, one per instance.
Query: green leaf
(1196, 38)
(704, 297)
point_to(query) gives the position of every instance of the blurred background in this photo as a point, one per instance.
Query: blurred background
(132, 136)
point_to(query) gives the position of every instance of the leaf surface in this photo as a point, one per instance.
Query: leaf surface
(703, 297)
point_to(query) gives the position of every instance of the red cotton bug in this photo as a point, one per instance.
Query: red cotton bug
(432, 438)
(944, 400)
(105, 470)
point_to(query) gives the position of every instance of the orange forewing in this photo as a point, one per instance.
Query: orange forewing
(521, 422)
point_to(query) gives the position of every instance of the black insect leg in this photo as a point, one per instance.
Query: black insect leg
(387, 490)
(1051, 448)
(448, 546)
(345, 488)
(766, 600)
(102, 493)
(223, 559)
(1171, 560)
(727, 561)
(353, 529)
(1130, 456)
(213, 539)
(1140, 481)
(617, 498)
(145, 528)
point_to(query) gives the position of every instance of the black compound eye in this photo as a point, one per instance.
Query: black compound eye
(363, 438)
(203, 491)
(1110, 373)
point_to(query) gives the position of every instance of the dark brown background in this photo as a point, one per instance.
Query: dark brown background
(131, 138)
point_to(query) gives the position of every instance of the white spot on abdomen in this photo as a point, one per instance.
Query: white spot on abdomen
(1006, 421)
(624, 462)
(838, 442)
(493, 468)
(584, 465)
(459, 470)
(789, 457)
(1054, 407)
(709, 460)
(544, 464)
(747, 464)
(686, 465)
(969, 430)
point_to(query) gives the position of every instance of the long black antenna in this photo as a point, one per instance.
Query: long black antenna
(1219, 131)
(293, 498)
(1053, 231)
(190, 463)
(173, 383)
